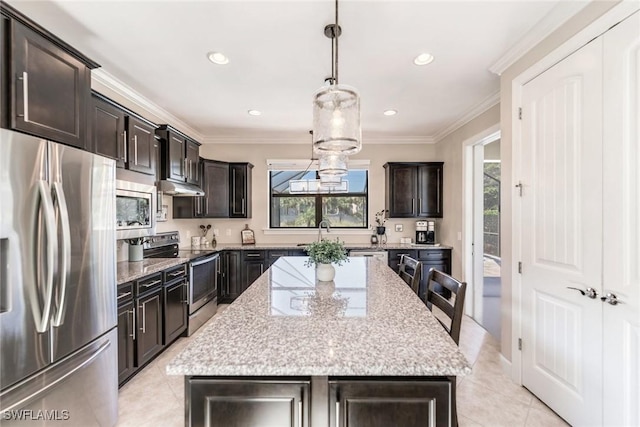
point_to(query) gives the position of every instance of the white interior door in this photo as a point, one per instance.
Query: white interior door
(562, 235)
(478, 237)
(621, 274)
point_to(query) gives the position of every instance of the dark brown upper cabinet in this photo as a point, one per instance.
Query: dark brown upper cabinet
(215, 202)
(47, 83)
(414, 190)
(179, 160)
(107, 129)
(240, 190)
(141, 154)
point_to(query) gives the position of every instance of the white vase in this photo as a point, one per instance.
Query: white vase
(325, 272)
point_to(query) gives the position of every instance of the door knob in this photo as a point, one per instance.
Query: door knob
(610, 298)
(589, 292)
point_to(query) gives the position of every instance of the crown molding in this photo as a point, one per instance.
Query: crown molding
(469, 115)
(103, 78)
(557, 16)
(274, 139)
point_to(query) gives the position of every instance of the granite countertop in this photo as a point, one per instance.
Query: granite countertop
(366, 322)
(128, 271)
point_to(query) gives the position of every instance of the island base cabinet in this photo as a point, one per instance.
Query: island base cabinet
(374, 403)
(244, 402)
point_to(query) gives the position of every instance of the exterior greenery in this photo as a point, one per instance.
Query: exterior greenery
(326, 252)
(342, 210)
(492, 209)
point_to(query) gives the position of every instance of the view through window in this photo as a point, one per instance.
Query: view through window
(344, 210)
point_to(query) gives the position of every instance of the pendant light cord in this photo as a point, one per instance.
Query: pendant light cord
(336, 32)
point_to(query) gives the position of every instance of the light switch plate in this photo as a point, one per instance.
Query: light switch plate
(399, 228)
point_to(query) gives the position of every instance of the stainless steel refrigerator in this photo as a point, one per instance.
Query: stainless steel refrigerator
(58, 336)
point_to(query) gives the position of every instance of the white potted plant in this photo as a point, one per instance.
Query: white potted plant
(324, 254)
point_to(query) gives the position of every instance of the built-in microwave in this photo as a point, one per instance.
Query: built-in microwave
(135, 209)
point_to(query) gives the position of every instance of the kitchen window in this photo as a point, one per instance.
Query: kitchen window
(342, 210)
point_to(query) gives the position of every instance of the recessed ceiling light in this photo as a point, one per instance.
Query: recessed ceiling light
(423, 59)
(254, 113)
(390, 112)
(218, 58)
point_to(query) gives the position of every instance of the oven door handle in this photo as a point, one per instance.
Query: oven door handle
(203, 261)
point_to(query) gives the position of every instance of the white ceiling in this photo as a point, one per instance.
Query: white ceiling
(279, 56)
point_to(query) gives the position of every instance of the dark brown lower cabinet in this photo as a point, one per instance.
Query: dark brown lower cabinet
(382, 403)
(175, 310)
(126, 344)
(247, 402)
(321, 401)
(149, 333)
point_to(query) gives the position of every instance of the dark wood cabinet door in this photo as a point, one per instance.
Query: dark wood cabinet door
(440, 259)
(240, 190)
(175, 310)
(185, 207)
(251, 270)
(51, 89)
(272, 256)
(215, 184)
(192, 160)
(126, 332)
(107, 130)
(396, 254)
(141, 154)
(430, 190)
(242, 402)
(175, 159)
(149, 324)
(233, 276)
(371, 403)
(401, 190)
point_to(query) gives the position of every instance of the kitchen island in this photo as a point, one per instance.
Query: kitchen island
(361, 350)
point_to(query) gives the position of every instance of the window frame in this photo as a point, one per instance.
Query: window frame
(318, 202)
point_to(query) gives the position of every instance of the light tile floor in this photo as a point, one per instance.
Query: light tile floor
(487, 397)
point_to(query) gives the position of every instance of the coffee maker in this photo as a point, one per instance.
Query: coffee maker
(426, 232)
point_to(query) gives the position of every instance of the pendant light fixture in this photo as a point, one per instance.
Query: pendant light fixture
(336, 108)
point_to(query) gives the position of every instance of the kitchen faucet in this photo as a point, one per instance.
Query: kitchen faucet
(326, 224)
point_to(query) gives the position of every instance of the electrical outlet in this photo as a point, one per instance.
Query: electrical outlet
(399, 228)
(228, 232)
(459, 235)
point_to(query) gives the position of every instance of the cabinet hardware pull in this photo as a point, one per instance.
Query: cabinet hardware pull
(25, 96)
(337, 414)
(124, 295)
(253, 255)
(419, 204)
(185, 286)
(177, 273)
(135, 149)
(155, 282)
(144, 318)
(261, 268)
(413, 206)
(300, 413)
(133, 324)
(124, 146)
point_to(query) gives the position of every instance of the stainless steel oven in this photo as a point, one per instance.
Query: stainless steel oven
(135, 209)
(203, 290)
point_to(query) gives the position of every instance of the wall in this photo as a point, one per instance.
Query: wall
(450, 150)
(257, 154)
(586, 16)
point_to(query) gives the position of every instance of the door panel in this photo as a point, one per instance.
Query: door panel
(176, 157)
(622, 225)
(82, 389)
(86, 302)
(562, 228)
(22, 166)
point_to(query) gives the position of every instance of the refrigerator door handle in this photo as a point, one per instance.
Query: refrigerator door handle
(64, 267)
(42, 203)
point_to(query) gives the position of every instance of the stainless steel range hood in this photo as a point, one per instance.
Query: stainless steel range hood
(179, 189)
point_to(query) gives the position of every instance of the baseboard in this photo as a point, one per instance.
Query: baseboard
(506, 366)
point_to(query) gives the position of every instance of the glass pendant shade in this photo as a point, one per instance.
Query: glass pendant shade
(332, 164)
(336, 120)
